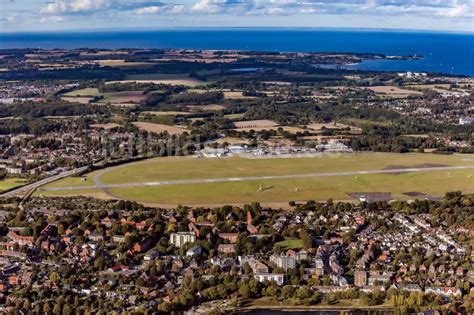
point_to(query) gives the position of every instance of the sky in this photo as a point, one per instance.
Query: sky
(59, 15)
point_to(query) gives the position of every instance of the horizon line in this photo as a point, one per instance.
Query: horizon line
(191, 28)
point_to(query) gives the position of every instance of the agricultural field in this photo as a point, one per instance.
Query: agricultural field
(430, 183)
(158, 128)
(166, 113)
(321, 126)
(9, 183)
(163, 78)
(123, 97)
(260, 125)
(106, 126)
(236, 95)
(255, 124)
(122, 64)
(208, 108)
(77, 99)
(392, 91)
(234, 116)
(83, 96)
(87, 92)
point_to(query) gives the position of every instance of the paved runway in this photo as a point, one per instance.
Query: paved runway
(100, 185)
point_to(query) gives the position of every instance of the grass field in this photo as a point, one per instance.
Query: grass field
(280, 190)
(83, 92)
(165, 78)
(123, 97)
(337, 187)
(9, 183)
(189, 168)
(125, 65)
(290, 244)
(270, 303)
(84, 95)
(158, 128)
(234, 116)
(393, 91)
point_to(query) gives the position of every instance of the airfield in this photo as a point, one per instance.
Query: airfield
(236, 180)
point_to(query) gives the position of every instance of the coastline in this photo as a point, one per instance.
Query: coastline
(441, 52)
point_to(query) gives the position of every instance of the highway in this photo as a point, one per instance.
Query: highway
(42, 182)
(100, 185)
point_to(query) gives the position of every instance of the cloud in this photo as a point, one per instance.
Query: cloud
(76, 6)
(161, 9)
(69, 7)
(53, 18)
(8, 19)
(149, 10)
(433, 8)
(177, 9)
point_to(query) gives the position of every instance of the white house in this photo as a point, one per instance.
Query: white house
(264, 277)
(180, 238)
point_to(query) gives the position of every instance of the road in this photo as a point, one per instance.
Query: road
(100, 185)
(42, 182)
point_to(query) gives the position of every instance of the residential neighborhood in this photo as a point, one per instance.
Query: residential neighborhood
(117, 255)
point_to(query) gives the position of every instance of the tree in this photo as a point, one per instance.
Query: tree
(244, 291)
(303, 293)
(57, 309)
(27, 305)
(46, 308)
(67, 310)
(54, 277)
(306, 239)
(287, 291)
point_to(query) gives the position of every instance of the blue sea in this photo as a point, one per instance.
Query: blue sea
(451, 53)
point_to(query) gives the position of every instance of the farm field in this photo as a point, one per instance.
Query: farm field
(151, 127)
(166, 113)
(236, 95)
(123, 97)
(83, 96)
(393, 91)
(9, 183)
(90, 92)
(77, 99)
(212, 107)
(105, 126)
(122, 64)
(321, 126)
(163, 78)
(234, 116)
(278, 190)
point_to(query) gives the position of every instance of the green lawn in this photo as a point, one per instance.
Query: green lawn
(190, 168)
(73, 181)
(157, 76)
(10, 183)
(77, 192)
(180, 78)
(234, 116)
(280, 190)
(290, 244)
(283, 190)
(84, 92)
(272, 303)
